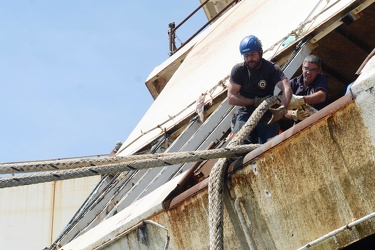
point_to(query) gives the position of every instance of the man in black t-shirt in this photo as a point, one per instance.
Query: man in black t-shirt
(251, 82)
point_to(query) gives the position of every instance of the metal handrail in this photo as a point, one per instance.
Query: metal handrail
(337, 231)
(172, 27)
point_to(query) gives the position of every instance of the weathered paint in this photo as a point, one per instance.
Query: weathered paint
(37, 213)
(315, 182)
(310, 184)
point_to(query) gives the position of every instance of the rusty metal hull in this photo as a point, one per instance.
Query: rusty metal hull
(311, 184)
(298, 187)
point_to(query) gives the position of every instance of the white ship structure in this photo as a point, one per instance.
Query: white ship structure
(310, 187)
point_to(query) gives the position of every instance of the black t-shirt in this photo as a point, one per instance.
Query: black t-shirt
(256, 82)
(320, 83)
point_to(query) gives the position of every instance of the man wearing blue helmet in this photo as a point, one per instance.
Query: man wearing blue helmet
(251, 82)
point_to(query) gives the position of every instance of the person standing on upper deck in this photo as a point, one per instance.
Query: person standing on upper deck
(309, 90)
(251, 82)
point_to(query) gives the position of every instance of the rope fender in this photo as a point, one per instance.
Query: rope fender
(216, 182)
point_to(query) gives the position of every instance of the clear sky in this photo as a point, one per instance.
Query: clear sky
(73, 73)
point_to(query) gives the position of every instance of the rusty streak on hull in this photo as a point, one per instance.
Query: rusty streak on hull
(307, 185)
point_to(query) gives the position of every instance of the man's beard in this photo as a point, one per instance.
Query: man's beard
(253, 64)
(307, 80)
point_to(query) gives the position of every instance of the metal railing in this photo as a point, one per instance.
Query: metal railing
(173, 28)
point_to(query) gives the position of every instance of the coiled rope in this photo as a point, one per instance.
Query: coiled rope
(216, 183)
(84, 168)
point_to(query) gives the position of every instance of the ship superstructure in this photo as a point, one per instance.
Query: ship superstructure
(311, 186)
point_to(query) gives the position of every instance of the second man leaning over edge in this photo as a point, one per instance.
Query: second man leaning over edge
(309, 90)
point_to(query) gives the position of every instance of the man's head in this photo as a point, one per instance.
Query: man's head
(251, 50)
(311, 67)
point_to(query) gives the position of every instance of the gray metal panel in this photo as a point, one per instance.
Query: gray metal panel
(104, 198)
(210, 131)
(154, 178)
(129, 189)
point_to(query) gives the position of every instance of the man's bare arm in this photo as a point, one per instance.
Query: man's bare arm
(234, 98)
(315, 98)
(284, 86)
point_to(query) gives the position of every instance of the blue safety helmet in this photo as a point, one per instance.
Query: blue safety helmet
(250, 44)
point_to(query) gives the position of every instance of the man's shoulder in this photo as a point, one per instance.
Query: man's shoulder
(240, 65)
(297, 79)
(321, 82)
(266, 62)
(239, 69)
(321, 77)
(270, 65)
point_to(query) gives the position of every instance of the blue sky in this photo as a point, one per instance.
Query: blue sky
(73, 73)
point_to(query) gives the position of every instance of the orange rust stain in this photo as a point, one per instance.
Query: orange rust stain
(315, 181)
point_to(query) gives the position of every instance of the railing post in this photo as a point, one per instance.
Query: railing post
(172, 27)
(172, 37)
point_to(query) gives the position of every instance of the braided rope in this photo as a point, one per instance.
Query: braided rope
(40, 166)
(130, 163)
(215, 187)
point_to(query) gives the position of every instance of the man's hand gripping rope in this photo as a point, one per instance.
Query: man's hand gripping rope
(277, 113)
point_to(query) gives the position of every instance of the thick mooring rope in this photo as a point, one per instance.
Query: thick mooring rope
(48, 165)
(216, 184)
(128, 163)
(54, 165)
